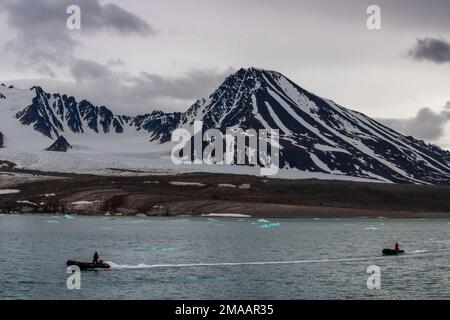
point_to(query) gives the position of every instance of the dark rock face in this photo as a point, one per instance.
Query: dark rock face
(159, 124)
(60, 145)
(316, 135)
(53, 114)
(2, 140)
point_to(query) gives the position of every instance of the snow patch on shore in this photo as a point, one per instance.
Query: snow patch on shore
(187, 184)
(9, 191)
(83, 203)
(226, 185)
(27, 202)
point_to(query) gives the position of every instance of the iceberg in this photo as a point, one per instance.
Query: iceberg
(270, 225)
(142, 221)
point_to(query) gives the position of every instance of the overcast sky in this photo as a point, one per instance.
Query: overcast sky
(136, 56)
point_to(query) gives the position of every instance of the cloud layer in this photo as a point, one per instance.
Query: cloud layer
(43, 43)
(431, 49)
(426, 124)
(146, 91)
(42, 40)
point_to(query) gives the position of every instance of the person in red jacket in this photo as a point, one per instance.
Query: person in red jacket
(397, 246)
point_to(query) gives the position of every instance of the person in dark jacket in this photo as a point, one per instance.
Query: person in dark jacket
(96, 257)
(397, 246)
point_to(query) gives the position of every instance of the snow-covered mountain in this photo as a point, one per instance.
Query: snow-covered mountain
(316, 134)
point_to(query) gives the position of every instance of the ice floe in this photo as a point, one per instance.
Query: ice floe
(142, 221)
(270, 226)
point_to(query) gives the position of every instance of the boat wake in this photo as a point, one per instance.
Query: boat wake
(410, 254)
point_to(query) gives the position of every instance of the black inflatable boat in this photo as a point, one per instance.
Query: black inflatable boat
(88, 266)
(392, 252)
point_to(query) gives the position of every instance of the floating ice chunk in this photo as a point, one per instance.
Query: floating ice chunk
(263, 221)
(212, 220)
(52, 221)
(142, 221)
(371, 228)
(168, 249)
(270, 226)
(68, 217)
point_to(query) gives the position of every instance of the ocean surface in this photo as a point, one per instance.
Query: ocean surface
(199, 258)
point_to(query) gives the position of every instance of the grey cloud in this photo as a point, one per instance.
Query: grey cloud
(90, 71)
(431, 49)
(146, 91)
(116, 18)
(42, 38)
(46, 70)
(426, 124)
(116, 63)
(196, 83)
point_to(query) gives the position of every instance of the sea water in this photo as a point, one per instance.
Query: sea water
(223, 259)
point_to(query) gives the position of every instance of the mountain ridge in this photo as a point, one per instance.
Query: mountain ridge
(316, 134)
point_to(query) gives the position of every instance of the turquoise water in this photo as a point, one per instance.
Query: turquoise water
(194, 258)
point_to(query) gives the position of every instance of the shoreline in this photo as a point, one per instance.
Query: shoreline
(303, 213)
(197, 194)
(203, 217)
